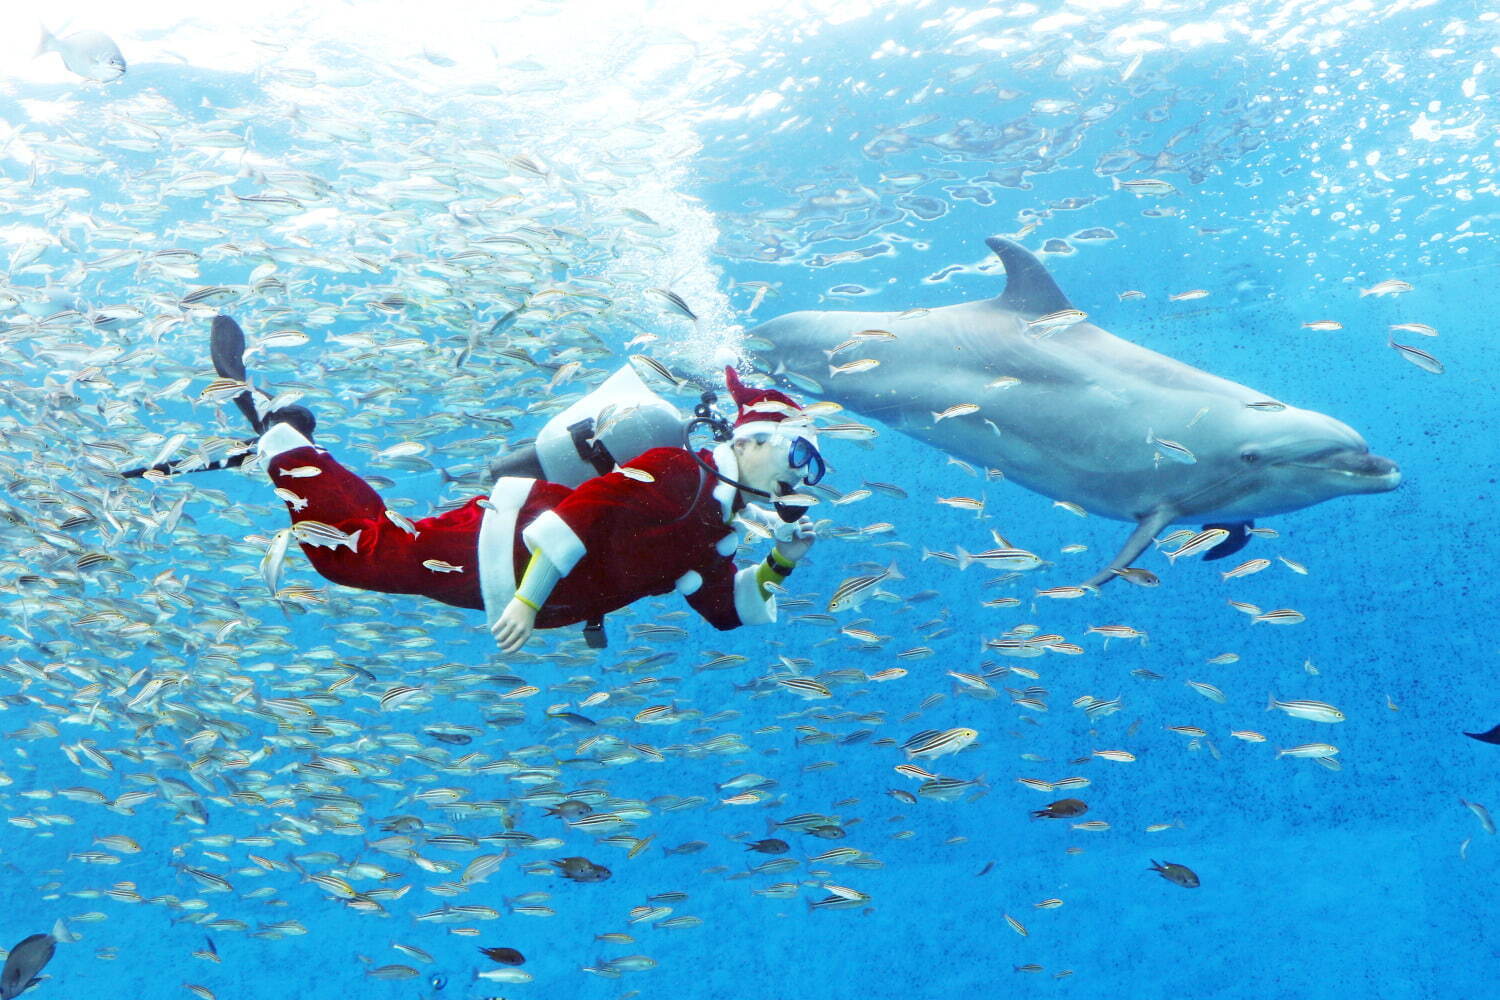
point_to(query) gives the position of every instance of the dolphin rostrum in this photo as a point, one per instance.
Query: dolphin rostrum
(1073, 412)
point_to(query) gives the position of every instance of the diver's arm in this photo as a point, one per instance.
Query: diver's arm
(516, 622)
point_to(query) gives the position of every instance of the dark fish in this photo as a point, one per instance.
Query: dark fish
(1136, 575)
(24, 962)
(573, 718)
(505, 956)
(401, 824)
(768, 846)
(1176, 874)
(1062, 809)
(581, 870)
(1489, 736)
(571, 809)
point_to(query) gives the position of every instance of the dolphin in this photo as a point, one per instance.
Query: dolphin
(1073, 412)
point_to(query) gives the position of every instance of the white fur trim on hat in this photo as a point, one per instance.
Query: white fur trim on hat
(750, 428)
(791, 427)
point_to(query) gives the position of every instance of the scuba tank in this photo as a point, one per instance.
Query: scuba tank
(609, 426)
(617, 421)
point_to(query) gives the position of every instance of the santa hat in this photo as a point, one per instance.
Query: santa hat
(761, 410)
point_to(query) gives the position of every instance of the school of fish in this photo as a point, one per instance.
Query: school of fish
(434, 294)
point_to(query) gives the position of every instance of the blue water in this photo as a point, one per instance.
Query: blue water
(1373, 880)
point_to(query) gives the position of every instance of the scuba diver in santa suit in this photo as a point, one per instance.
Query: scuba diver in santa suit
(613, 505)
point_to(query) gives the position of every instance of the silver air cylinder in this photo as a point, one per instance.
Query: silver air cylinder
(628, 418)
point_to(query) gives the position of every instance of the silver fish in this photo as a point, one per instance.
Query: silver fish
(271, 563)
(90, 54)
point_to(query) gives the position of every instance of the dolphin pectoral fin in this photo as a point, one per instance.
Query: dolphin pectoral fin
(1029, 288)
(1145, 530)
(1238, 538)
(1489, 736)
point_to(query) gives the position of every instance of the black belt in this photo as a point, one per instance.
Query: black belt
(592, 451)
(589, 448)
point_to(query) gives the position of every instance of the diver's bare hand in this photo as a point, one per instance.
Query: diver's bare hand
(514, 626)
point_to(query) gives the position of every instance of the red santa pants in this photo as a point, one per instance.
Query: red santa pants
(386, 557)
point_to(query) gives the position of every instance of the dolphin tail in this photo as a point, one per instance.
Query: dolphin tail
(1145, 529)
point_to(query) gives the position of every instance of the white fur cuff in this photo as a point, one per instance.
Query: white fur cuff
(748, 604)
(551, 535)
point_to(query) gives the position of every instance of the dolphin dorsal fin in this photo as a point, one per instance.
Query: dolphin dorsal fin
(1029, 289)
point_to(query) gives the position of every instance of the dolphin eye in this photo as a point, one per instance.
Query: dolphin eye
(1250, 457)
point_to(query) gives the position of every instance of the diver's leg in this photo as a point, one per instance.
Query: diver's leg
(434, 557)
(227, 347)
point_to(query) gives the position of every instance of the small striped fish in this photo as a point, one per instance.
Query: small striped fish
(319, 534)
(805, 686)
(1208, 691)
(1246, 568)
(932, 743)
(1201, 542)
(956, 410)
(853, 367)
(1309, 750)
(853, 591)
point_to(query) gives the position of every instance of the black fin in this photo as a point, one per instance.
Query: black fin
(1029, 289)
(1492, 736)
(1238, 539)
(226, 345)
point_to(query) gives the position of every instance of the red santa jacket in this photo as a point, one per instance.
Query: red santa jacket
(616, 538)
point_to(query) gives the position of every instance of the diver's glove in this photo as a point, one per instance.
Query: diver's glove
(514, 626)
(794, 540)
(516, 622)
